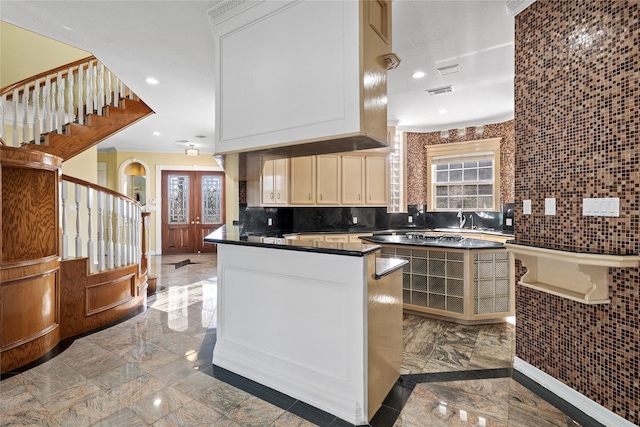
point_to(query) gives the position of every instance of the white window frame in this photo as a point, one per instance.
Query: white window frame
(460, 150)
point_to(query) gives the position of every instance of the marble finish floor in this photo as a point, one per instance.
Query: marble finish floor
(155, 369)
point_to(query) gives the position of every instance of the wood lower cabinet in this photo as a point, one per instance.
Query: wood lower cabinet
(302, 185)
(352, 180)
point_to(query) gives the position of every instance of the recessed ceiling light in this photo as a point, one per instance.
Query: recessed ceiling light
(419, 74)
(182, 141)
(443, 111)
(200, 136)
(156, 133)
(151, 81)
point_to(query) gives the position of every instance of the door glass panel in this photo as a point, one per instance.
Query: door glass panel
(178, 199)
(211, 199)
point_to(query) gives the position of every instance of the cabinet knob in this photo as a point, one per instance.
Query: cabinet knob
(309, 196)
(192, 222)
(278, 197)
(320, 196)
(271, 196)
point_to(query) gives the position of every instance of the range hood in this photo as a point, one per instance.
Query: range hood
(301, 77)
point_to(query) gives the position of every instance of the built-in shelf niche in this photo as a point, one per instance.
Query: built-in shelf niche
(577, 276)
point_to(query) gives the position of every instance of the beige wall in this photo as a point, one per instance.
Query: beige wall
(83, 166)
(115, 159)
(24, 54)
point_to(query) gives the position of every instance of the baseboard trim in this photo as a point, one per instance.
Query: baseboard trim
(563, 391)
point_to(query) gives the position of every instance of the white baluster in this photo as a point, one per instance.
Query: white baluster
(90, 250)
(65, 238)
(116, 91)
(80, 78)
(25, 114)
(60, 121)
(71, 111)
(107, 76)
(101, 254)
(3, 112)
(118, 222)
(110, 218)
(89, 95)
(46, 105)
(14, 122)
(94, 89)
(125, 234)
(78, 222)
(37, 129)
(123, 90)
(100, 88)
(136, 260)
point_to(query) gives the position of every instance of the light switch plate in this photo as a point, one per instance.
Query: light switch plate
(355, 220)
(608, 206)
(410, 219)
(550, 206)
(269, 221)
(526, 207)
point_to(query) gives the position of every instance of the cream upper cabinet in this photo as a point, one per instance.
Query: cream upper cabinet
(274, 182)
(297, 72)
(328, 180)
(302, 185)
(376, 181)
(352, 180)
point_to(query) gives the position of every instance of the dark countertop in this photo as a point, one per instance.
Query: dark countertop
(232, 236)
(445, 244)
(356, 230)
(386, 266)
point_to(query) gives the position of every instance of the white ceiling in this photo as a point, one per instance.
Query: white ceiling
(172, 41)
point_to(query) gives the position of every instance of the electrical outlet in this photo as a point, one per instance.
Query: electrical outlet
(410, 219)
(526, 207)
(269, 221)
(550, 206)
(355, 220)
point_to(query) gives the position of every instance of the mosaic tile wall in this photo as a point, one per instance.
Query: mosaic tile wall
(417, 173)
(577, 125)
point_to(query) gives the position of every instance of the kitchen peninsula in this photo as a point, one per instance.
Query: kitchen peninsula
(453, 277)
(318, 321)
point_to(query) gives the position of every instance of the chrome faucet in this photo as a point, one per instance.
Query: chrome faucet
(462, 218)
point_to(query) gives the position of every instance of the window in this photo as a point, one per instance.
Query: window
(464, 175)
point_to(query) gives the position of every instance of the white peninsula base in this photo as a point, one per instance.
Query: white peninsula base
(302, 323)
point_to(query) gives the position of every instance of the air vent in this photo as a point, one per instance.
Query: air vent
(439, 90)
(451, 69)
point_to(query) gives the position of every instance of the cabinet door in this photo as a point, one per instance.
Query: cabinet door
(352, 180)
(376, 181)
(267, 181)
(302, 185)
(280, 174)
(328, 180)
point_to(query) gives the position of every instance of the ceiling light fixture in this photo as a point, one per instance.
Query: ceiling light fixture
(151, 81)
(156, 133)
(191, 151)
(443, 111)
(418, 74)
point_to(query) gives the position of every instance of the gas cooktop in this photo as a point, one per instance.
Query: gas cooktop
(419, 236)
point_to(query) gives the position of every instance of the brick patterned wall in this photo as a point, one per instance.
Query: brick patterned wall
(417, 173)
(577, 124)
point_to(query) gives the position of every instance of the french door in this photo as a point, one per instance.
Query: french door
(192, 207)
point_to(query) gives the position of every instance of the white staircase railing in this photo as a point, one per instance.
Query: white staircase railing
(109, 223)
(47, 102)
